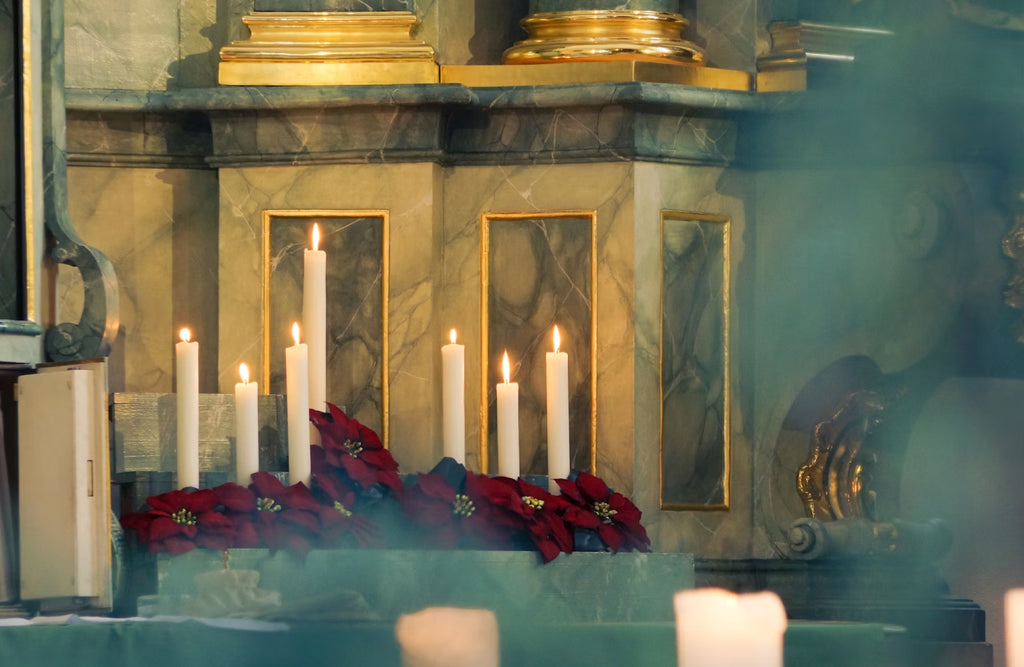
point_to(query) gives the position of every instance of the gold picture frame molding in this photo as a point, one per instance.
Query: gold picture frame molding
(668, 214)
(385, 284)
(485, 251)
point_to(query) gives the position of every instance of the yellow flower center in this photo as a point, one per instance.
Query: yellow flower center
(535, 503)
(184, 518)
(341, 509)
(353, 448)
(604, 512)
(267, 505)
(463, 506)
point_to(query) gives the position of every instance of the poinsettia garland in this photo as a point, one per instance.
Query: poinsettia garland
(357, 498)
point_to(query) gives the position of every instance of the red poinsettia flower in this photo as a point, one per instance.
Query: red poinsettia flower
(180, 521)
(355, 448)
(596, 507)
(337, 518)
(287, 517)
(539, 512)
(239, 504)
(451, 518)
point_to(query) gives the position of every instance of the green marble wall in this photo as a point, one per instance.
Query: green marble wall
(537, 6)
(332, 5)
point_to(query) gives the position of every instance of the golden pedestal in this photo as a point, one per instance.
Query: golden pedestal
(602, 35)
(328, 48)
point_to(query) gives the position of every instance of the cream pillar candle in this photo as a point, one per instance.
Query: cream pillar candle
(448, 637)
(314, 320)
(186, 357)
(1013, 610)
(717, 628)
(247, 439)
(508, 424)
(297, 388)
(558, 414)
(453, 395)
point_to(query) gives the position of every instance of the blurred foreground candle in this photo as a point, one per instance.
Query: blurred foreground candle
(508, 423)
(1014, 611)
(247, 439)
(186, 356)
(297, 390)
(453, 391)
(448, 637)
(314, 320)
(558, 414)
(717, 628)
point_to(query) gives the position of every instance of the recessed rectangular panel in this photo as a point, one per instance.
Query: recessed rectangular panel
(11, 211)
(695, 382)
(538, 271)
(355, 243)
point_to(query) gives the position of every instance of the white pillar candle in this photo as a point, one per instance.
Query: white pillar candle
(1013, 609)
(453, 397)
(508, 424)
(314, 320)
(558, 414)
(297, 388)
(247, 439)
(717, 628)
(186, 356)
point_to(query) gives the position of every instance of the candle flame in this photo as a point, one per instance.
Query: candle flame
(505, 366)
(243, 371)
(295, 332)
(558, 339)
(185, 335)
(316, 236)
(451, 336)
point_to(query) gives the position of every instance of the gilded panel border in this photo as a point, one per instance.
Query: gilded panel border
(312, 214)
(726, 304)
(486, 219)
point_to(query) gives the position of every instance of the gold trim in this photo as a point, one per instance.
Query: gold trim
(603, 35)
(572, 73)
(726, 362)
(328, 48)
(385, 286)
(28, 164)
(485, 253)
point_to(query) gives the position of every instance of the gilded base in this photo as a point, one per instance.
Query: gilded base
(577, 72)
(328, 48)
(604, 35)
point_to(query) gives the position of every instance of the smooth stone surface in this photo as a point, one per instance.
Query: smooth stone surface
(574, 588)
(537, 6)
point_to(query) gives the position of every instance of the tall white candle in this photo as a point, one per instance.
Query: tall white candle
(1013, 608)
(314, 320)
(508, 424)
(186, 356)
(297, 388)
(247, 439)
(716, 628)
(558, 414)
(453, 394)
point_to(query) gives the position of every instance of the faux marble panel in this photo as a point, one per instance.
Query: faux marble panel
(708, 191)
(333, 5)
(407, 193)
(606, 189)
(539, 276)
(120, 138)
(728, 31)
(162, 248)
(145, 44)
(360, 133)
(355, 322)
(571, 5)
(694, 362)
(10, 156)
(471, 33)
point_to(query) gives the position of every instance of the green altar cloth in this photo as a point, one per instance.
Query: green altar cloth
(167, 644)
